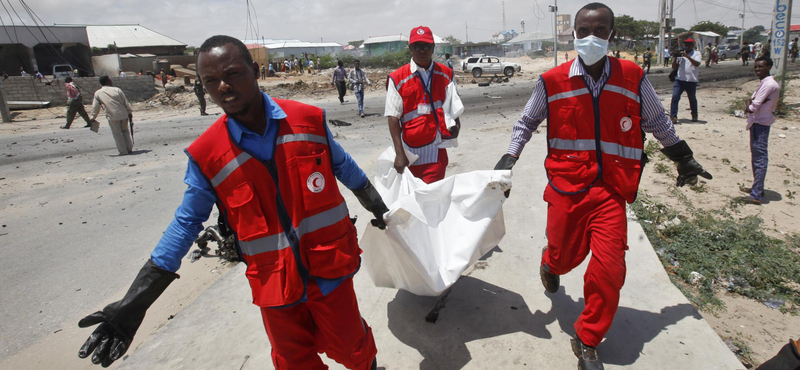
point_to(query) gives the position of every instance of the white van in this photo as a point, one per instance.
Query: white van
(62, 71)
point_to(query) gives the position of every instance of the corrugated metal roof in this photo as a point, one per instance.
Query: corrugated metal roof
(395, 38)
(303, 44)
(127, 36)
(530, 36)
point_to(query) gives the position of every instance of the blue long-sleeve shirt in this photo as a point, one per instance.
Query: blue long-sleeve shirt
(199, 198)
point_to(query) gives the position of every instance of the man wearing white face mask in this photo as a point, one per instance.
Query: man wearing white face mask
(686, 63)
(598, 109)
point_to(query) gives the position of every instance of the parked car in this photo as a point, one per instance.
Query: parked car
(729, 51)
(63, 71)
(479, 65)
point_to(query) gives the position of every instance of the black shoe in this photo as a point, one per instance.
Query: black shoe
(588, 358)
(694, 118)
(88, 125)
(203, 113)
(550, 281)
(374, 364)
(64, 127)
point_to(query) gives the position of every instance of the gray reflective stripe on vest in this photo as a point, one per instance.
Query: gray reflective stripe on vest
(442, 74)
(403, 81)
(605, 146)
(413, 114)
(229, 168)
(308, 225)
(563, 144)
(567, 94)
(621, 151)
(291, 138)
(620, 90)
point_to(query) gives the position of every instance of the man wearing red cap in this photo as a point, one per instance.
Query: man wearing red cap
(686, 63)
(423, 109)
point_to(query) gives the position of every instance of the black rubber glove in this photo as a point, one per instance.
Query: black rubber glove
(787, 358)
(506, 163)
(372, 201)
(120, 320)
(688, 168)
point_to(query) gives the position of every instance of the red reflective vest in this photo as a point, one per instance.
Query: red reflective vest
(290, 220)
(420, 129)
(594, 139)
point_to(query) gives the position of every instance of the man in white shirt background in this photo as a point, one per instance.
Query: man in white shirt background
(686, 63)
(118, 112)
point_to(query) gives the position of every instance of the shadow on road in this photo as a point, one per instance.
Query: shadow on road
(135, 152)
(474, 309)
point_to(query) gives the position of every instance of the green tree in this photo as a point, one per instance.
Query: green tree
(452, 40)
(678, 30)
(356, 43)
(648, 28)
(754, 34)
(626, 26)
(715, 27)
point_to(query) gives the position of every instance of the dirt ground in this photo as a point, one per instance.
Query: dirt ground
(720, 143)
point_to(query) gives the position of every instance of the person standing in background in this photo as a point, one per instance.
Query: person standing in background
(118, 112)
(74, 104)
(686, 63)
(759, 108)
(339, 80)
(358, 78)
(200, 92)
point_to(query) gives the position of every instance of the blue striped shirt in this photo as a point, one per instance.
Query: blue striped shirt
(654, 118)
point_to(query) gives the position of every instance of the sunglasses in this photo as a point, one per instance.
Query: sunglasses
(423, 47)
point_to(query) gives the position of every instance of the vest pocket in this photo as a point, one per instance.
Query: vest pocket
(244, 209)
(623, 176)
(268, 282)
(334, 259)
(419, 131)
(315, 179)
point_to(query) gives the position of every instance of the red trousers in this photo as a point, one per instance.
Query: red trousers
(431, 172)
(593, 221)
(331, 324)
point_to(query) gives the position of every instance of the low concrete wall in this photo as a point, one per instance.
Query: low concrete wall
(18, 88)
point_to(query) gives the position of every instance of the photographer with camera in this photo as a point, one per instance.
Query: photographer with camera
(686, 62)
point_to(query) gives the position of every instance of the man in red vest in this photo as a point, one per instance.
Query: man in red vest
(598, 109)
(271, 167)
(423, 107)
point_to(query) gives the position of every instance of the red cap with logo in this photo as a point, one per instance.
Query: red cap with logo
(421, 34)
(688, 41)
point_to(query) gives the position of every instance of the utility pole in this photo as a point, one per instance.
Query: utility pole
(661, 29)
(671, 20)
(522, 23)
(4, 107)
(554, 9)
(781, 19)
(504, 16)
(466, 29)
(741, 37)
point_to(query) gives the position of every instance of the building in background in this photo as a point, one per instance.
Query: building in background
(503, 36)
(43, 48)
(563, 22)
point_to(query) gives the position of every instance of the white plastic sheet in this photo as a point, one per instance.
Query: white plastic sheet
(434, 231)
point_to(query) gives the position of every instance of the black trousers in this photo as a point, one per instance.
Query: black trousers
(202, 99)
(76, 107)
(342, 87)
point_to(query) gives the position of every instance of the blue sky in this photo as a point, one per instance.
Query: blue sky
(346, 20)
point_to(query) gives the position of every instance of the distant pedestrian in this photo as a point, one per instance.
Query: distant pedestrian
(5, 75)
(339, 80)
(707, 52)
(447, 61)
(715, 54)
(745, 53)
(163, 79)
(766, 50)
(319, 65)
(122, 73)
(646, 57)
(793, 49)
(686, 63)
(358, 78)
(263, 71)
(38, 76)
(22, 72)
(118, 113)
(310, 66)
(271, 70)
(666, 57)
(141, 73)
(759, 108)
(200, 92)
(753, 49)
(566, 57)
(74, 104)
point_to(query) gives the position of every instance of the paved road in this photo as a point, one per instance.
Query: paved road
(79, 221)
